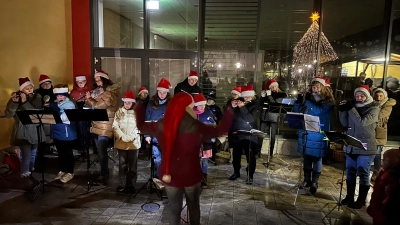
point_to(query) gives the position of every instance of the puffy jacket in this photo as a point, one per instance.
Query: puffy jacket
(106, 100)
(361, 123)
(185, 86)
(275, 97)
(207, 118)
(125, 128)
(384, 114)
(245, 119)
(155, 115)
(65, 131)
(316, 145)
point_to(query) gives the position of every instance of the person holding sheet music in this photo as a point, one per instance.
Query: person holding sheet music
(269, 120)
(361, 118)
(246, 112)
(318, 101)
(189, 85)
(24, 136)
(155, 110)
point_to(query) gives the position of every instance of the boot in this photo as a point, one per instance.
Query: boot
(307, 179)
(121, 188)
(314, 182)
(351, 187)
(234, 176)
(204, 181)
(362, 195)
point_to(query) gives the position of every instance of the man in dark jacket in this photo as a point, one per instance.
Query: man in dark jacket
(189, 85)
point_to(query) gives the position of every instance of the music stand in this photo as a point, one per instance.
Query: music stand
(86, 115)
(343, 139)
(306, 123)
(39, 117)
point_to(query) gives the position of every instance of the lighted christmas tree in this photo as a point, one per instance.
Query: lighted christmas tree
(306, 51)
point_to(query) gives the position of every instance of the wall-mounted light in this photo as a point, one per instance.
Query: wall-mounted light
(153, 4)
(219, 65)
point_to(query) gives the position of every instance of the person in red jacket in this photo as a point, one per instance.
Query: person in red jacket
(384, 204)
(180, 136)
(78, 93)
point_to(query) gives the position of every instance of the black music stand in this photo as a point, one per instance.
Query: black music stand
(86, 115)
(343, 139)
(306, 123)
(39, 117)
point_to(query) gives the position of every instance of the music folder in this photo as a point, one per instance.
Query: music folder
(344, 139)
(253, 132)
(302, 121)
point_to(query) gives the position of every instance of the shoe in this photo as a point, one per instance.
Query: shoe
(362, 196)
(102, 179)
(120, 189)
(314, 182)
(351, 187)
(249, 180)
(59, 175)
(67, 177)
(204, 181)
(234, 176)
(307, 179)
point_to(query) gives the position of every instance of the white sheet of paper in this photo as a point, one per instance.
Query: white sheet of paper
(46, 119)
(312, 123)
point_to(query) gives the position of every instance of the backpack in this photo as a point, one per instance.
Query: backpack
(13, 161)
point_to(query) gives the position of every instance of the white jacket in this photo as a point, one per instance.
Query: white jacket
(124, 127)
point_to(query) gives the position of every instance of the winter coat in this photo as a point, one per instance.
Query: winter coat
(24, 134)
(65, 131)
(106, 100)
(125, 130)
(155, 115)
(78, 94)
(145, 101)
(216, 111)
(245, 119)
(275, 97)
(381, 128)
(185, 86)
(316, 145)
(361, 123)
(207, 118)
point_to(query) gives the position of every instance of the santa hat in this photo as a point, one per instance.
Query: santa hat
(80, 78)
(320, 80)
(270, 83)
(60, 91)
(199, 99)
(101, 73)
(193, 75)
(328, 84)
(247, 91)
(364, 89)
(44, 78)
(236, 90)
(142, 89)
(164, 85)
(23, 82)
(380, 90)
(129, 97)
(173, 116)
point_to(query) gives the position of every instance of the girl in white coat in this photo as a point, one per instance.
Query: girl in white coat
(127, 141)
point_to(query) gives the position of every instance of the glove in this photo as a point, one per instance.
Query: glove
(346, 106)
(263, 94)
(308, 96)
(268, 92)
(300, 98)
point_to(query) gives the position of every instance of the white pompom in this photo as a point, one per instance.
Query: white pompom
(166, 178)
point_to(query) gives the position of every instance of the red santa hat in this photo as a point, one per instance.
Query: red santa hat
(236, 90)
(101, 73)
(270, 83)
(364, 89)
(142, 89)
(129, 97)
(320, 80)
(44, 78)
(193, 75)
(173, 116)
(199, 99)
(23, 82)
(328, 84)
(61, 91)
(80, 78)
(247, 91)
(164, 85)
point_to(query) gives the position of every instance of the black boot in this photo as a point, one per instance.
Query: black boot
(235, 175)
(362, 195)
(249, 180)
(121, 188)
(314, 182)
(204, 183)
(351, 188)
(307, 179)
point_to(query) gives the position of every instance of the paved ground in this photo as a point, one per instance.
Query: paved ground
(268, 201)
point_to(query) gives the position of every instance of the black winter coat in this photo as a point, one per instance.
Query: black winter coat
(245, 118)
(275, 97)
(185, 86)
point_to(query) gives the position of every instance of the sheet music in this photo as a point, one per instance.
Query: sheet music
(312, 123)
(46, 119)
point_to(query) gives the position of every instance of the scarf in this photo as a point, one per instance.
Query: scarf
(316, 96)
(97, 92)
(364, 103)
(198, 112)
(381, 103)
(162, 101)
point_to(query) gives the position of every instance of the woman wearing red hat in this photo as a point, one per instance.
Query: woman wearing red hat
(269, 121)
(103, 96)
(361, 117)
(180, 136)
(24, 136)
(46, 90)
(143, 96)
(127, 142)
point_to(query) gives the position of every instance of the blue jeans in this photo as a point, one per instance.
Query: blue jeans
(313, 163)
(378, 158)
(358, 165)
(156, 156)
(204, 165)
(28, 155)
(102, 144)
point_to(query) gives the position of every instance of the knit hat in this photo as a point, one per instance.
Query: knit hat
(364, 89)
(164, 85)
(44, 78)
(193, 75)
(23, 82)
(212, 96)
(176, 109)
(380, 90)
(80, 78)
(247, 91)
(270, 83)
(101, 73)
(320, 80)
(129, 97)
(60, 91)
(236, 90)
(199, 99)
(142, 89)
